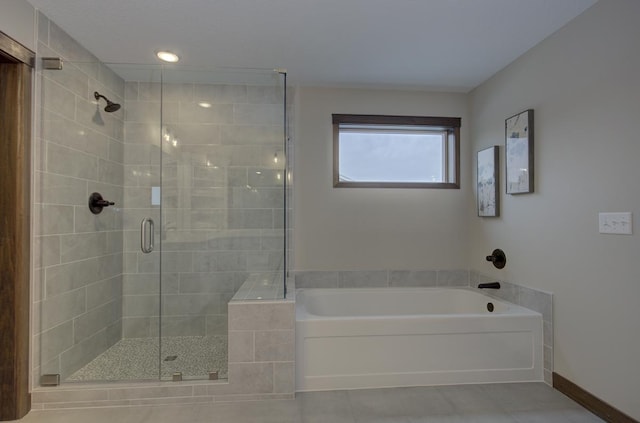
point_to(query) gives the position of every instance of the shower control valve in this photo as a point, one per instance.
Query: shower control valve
(97, 203)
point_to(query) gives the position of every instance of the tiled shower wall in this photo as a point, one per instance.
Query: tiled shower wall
(222, 195)
(78, 149)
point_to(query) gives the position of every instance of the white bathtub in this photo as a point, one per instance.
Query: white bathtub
(382, 337)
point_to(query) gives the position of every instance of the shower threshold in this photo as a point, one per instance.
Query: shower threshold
(137, 359)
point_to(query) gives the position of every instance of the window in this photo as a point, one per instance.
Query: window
(371, 151)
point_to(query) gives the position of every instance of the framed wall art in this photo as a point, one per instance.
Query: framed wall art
(519, 153)
(488, 182)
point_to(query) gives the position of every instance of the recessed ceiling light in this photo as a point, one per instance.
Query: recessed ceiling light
(204, 104)
(167, 56)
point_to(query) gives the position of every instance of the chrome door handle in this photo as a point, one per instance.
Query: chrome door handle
(146, 240)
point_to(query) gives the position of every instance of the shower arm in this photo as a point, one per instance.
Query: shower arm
(111, 106)
(98, 96)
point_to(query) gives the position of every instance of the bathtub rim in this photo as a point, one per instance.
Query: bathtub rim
(302, 313)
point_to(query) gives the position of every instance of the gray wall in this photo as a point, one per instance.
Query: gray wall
(367, 229)
(583, 83)
(77, 256)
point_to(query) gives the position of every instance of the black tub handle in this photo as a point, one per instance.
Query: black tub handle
(498, 258)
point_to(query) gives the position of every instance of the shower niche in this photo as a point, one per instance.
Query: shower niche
(191, 160)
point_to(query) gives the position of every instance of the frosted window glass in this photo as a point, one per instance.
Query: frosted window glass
(391, 157)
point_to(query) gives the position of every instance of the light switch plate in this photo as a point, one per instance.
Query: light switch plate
(615, 223)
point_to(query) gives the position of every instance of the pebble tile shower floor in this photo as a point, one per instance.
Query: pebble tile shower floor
(137, 359)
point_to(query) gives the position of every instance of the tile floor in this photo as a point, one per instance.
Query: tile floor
(495, 403)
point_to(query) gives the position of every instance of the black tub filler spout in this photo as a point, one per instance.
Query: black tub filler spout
(489, 285)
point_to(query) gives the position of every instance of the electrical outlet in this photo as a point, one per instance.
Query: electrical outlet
(615, 223)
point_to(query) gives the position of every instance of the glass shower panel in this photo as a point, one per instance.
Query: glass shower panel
(222, 209)
(194, 162)
(85, 263)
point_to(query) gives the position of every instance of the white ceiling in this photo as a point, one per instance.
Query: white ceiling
(432, 44)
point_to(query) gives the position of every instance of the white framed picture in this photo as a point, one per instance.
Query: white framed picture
(488, 182)
(519, 153)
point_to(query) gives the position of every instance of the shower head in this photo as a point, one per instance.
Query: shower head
(111, 106)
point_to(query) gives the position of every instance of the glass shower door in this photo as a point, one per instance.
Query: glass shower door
(97, 292)
(222, 209)
(141, 306)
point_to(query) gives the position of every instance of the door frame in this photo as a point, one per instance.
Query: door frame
(16, 65)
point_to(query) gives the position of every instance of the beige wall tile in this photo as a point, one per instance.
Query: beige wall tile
(261, 316)
(250, 378)
(150, 392)
(284, 378)
(274, 346)
(51, 396)
(241, 346)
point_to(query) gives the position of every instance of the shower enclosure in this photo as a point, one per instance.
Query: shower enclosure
(194, 162)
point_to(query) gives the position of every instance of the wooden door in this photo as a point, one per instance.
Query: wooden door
(15, 182)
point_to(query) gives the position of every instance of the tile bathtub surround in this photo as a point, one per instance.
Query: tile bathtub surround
(535, 300)
(77, 255)
(380, 278)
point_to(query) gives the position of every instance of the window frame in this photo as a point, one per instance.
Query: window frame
(450, 125)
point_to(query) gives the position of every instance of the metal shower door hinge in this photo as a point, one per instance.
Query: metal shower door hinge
(52, 63)
(50, 380)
